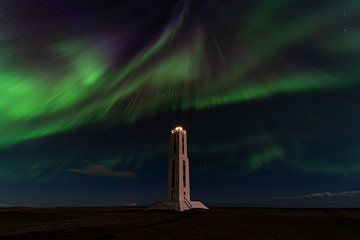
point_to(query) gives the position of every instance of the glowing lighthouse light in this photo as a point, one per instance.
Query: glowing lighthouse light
(178, 129)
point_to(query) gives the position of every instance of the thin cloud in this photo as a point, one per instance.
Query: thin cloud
(320, 195)
(100, 170)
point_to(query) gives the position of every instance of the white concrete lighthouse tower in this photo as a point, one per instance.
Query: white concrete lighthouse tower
(178, 176)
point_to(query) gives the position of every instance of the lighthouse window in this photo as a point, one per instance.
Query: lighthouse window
(184, 173)
(173, 174)
(174, 143)
(182, 141)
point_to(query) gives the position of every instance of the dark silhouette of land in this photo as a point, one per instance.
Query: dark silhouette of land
(218, 223)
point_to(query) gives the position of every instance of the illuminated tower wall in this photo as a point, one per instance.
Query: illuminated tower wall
(178, 172)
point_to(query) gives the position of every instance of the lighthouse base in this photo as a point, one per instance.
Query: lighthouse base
(178, 205)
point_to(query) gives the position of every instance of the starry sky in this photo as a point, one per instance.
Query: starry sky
(268, 91)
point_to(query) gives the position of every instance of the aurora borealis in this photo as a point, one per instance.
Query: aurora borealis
(268, 91)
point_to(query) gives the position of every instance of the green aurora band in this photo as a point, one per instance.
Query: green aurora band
(171, 75)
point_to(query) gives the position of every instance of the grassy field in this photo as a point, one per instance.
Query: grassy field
(218, 223)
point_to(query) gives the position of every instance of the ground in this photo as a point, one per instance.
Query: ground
(218, 223)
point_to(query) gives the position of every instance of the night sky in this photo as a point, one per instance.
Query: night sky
(268, 91)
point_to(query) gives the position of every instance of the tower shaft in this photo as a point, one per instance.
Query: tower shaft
(178, 172)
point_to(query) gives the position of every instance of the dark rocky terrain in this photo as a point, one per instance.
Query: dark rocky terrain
(218, 223)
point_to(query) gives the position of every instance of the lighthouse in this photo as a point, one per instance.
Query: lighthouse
(178, 176)
(178, 173)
